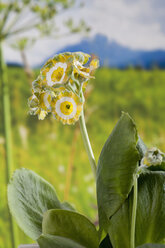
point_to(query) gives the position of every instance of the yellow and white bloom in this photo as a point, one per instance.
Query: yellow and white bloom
(41, 114)
(37, 85)
(67, 107)
(40, 104)
(56, 74)
(83, 58)
(94, 64)
(81, 74)
(45, 100)
(58, 88)
(57, 70)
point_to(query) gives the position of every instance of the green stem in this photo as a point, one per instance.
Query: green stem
(7, 132)
(133, 221)
(87, 143)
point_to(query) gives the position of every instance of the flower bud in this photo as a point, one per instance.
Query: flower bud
(153, 157)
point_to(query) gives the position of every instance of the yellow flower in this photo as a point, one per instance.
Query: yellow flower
(94, 64)
(37, 85)
(58, 88)
(83, 58)
(45, 100)
(40, 104)
(67, 67)
(67, 107)
(57, 70)
(81, 74)
(41, 114)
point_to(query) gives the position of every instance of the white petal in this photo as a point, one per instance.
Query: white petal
(50, 72)
(58, 109)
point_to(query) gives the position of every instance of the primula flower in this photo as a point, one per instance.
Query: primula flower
(67, 107)
(57, 70)
(82, 74)
(58, 88)
(40, 104)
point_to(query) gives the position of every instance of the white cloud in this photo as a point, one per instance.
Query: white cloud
(122, 22)
(135, 24)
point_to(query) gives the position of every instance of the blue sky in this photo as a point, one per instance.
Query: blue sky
(138, 24)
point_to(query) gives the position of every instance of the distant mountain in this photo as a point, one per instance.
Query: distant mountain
(113, 54)
(14, 64)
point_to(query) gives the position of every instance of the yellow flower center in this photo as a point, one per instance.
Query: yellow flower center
(66, 108)
(57, 74)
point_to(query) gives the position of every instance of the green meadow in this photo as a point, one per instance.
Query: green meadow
(56, 151)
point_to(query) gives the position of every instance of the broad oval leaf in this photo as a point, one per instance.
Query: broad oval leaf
(150, 219)
(116, 168)
(71, 225)
(29, 196)
(52, 241)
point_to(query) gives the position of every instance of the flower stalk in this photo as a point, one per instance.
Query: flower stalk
(134, 210)
(87, 143)
(59, 90)
(7, 132)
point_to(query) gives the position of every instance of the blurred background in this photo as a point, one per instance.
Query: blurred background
(128, 36)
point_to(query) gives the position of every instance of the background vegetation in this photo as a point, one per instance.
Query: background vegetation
(56, 152)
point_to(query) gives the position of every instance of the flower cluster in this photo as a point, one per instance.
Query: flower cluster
(60, 85)
(153, 157)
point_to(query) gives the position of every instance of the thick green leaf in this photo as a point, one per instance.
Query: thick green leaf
(152, 246)
(116, 168)
(29, 196)
(71, 225)
(150, 225)
(51, 241)
(150, 220)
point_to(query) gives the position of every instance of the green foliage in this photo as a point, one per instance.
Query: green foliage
(150, 220)
(43, 148)
(51, 241)
(116, 169)
(40, 214)
(151, 246)
(70, 225)
(115, 175)
(29, 197)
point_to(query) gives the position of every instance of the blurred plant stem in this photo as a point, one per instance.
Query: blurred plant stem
(87, 143)
(71, 163)
(7, 132)
(134, 209)
(28, 71)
